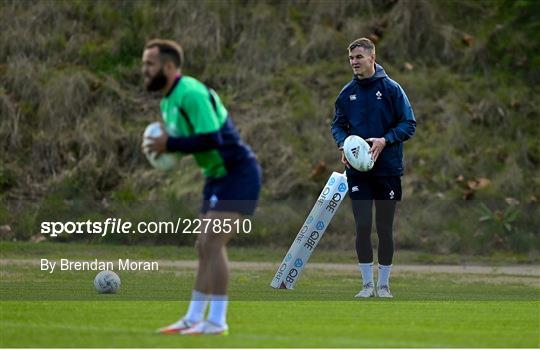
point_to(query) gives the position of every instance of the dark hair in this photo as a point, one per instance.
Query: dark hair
(364, 43)
(168, 49)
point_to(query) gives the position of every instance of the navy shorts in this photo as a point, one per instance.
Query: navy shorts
(237, 192)
(374, 187)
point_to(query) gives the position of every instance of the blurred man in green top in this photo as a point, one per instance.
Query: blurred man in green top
(196, 122)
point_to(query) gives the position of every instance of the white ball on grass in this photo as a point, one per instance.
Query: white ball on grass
(107, 282)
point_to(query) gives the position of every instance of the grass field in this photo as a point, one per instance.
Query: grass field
(39, 309)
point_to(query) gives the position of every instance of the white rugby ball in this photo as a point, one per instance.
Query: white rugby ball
(166, 161)
(356, 151)
(107, 282)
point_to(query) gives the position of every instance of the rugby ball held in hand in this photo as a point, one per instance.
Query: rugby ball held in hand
(356, 151)
(164, 162)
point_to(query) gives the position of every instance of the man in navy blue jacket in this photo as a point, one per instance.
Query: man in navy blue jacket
(374, 107)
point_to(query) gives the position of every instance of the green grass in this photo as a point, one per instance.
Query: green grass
(276, 324)
(28, 250)
(27, 282)
(39, 309)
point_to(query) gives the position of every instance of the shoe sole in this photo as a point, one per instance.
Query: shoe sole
(171, 331)
(224, 333)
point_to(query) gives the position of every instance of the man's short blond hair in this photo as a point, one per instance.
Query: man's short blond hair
(364, 43)
(168, 49)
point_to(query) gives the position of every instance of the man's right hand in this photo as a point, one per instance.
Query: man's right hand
(344, 160)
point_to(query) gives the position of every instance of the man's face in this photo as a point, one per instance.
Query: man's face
(361, 61)
(152, 70)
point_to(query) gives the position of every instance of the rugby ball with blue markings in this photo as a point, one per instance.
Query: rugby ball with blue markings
(356, 151)
(166, 161)
(107, 282)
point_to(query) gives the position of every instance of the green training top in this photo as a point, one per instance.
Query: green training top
(190, 109)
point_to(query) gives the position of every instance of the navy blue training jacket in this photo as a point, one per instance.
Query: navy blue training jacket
(375, 107)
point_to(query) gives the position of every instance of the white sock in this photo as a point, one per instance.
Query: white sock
(384, 275)
(366, 269)
(197, 306)
(218, 309)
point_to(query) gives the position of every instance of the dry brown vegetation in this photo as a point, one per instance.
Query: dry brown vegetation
(73, 108)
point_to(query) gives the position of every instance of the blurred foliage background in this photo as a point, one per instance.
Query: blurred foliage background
(73, 110)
